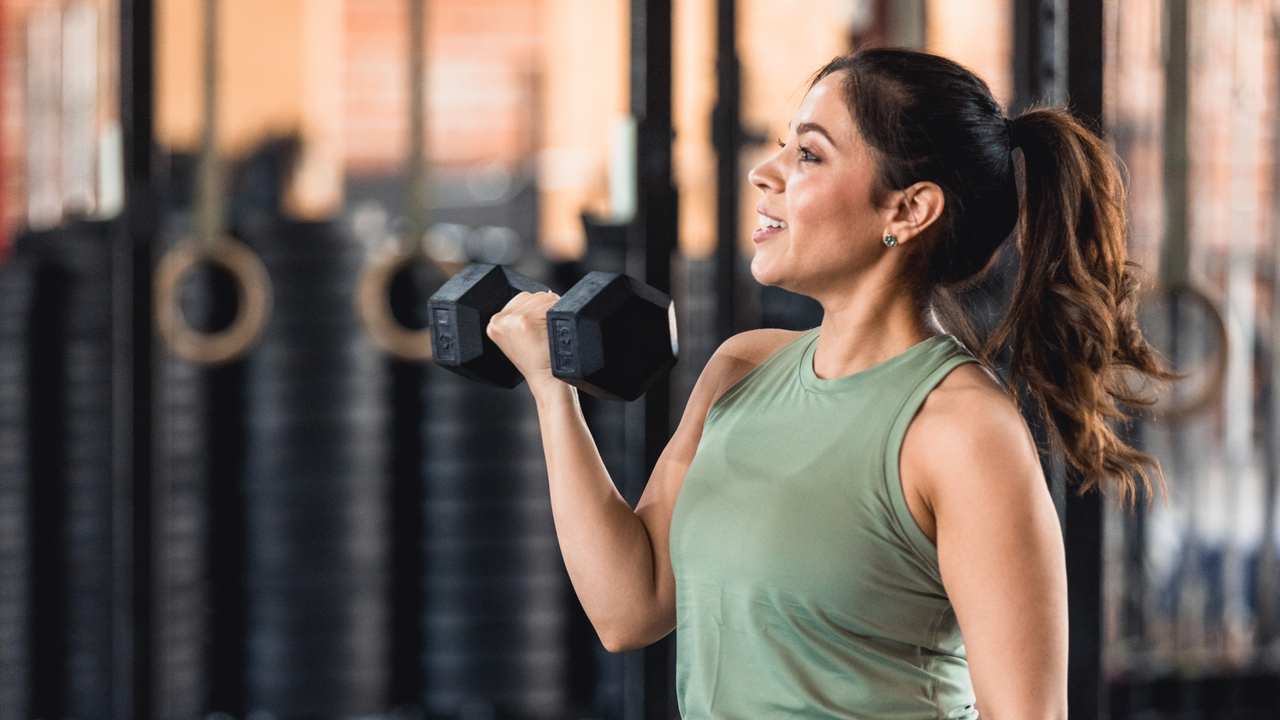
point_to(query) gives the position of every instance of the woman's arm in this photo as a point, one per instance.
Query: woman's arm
(972, 478)
(618, 558)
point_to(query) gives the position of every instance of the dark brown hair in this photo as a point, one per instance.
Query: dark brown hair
(1071, 328)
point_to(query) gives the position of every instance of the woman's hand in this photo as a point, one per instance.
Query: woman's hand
(520, 331)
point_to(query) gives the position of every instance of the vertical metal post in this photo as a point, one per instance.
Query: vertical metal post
(132, 351)
(136, 93)
(652, 237)
(904, 23)
(1086, 696)
(1058, 55)
(726, 138)
(1085, 692)
(1040, 53)
(1174, 258)
(1039, 76)
(1268, 594)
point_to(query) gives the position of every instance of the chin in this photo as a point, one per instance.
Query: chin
(767, 273)
(760, 271)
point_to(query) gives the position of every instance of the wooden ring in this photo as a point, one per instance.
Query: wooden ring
(373, 305)
(253, 295)
(1167, 410)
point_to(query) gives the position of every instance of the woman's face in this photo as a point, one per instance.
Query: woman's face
(818, 226)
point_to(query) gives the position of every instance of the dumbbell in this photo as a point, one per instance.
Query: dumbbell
(610, 335)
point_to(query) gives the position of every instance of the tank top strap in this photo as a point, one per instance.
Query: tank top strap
(939, 363)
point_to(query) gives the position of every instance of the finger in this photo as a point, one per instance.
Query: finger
(518, 300)
(522, 311)
(525, 300)
(541, 301)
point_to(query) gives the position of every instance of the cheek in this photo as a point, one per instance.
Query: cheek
(829, 215)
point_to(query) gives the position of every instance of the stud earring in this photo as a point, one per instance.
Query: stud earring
(890, 241)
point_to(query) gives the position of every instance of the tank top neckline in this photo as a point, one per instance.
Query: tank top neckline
(810, 380)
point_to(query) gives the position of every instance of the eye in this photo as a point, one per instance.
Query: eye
(806, 156)
(782, 143)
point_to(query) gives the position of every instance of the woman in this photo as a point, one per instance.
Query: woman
(838, 506)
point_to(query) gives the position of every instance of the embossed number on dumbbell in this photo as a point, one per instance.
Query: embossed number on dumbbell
(446, 336)
(565, 354)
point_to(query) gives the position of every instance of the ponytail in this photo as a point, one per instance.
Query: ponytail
(1072, 325)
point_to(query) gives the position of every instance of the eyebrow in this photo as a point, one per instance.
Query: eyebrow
(805, 127)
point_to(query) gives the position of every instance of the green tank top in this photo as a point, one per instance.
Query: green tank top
(804, 588)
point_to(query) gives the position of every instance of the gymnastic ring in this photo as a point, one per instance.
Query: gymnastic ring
(1212, 389)
(253, 296)
(373, 305)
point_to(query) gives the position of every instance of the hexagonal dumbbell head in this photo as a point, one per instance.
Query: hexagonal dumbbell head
(459, 313)
(612, 336)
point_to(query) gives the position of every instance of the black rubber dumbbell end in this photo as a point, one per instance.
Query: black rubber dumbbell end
(459, 314)
(612, 336)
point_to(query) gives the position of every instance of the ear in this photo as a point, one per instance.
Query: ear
(913, 210)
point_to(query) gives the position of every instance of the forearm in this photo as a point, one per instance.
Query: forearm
(606, 546)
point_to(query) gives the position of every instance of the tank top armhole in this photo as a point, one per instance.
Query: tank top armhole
(904, 521)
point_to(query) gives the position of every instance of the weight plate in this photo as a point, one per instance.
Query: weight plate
(315, 487)
(494, 627)
(15, 302)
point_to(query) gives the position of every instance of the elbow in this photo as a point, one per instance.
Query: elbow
(621, 637)
(618, 643)
(617, 640)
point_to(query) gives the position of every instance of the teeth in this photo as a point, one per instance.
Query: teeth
(770, 222)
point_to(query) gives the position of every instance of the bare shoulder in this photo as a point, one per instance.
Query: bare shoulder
(970, 417)
(752, 347)
(967, 444)
(730, 363)
(968, 393)
(738, 356)
(757, 345)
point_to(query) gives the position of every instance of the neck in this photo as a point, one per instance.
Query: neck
(865, 327)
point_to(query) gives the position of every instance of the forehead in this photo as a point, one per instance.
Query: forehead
(825, 105)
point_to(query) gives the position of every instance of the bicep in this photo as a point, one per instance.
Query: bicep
(1001, 556)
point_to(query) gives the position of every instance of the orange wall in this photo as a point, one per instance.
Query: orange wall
(977, 34)
(585, 61)
(341, 68)
(482, 60)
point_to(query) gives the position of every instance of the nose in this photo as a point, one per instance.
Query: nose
(765, 176)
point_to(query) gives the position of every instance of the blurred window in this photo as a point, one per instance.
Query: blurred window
(1191, 582)
(61, 141)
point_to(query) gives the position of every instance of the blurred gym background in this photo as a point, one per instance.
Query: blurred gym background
(233, 485)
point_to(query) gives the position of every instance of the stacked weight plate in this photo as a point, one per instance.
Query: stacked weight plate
(15, 304)
(180, 522)
(495, 616)
(89, 542)
(408, 295)
(69, 469)
(179, 526)
(315, 488)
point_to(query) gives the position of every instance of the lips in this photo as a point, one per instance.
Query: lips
(769, 226)
(767, 220)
